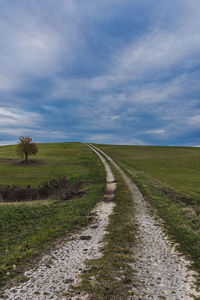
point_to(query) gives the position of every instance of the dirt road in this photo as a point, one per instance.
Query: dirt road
(160, 272)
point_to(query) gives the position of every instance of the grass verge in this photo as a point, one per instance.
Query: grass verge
(110, 277)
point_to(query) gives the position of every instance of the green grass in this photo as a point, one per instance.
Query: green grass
(181, 220)
(26, 229)
(176, 167)
(110, 277)
(154, 170)
(72, 160)
(29, 203)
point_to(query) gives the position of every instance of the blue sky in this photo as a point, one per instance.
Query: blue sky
(109, 71)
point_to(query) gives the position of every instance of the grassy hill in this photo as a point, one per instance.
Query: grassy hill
(72, 160)
(27, 228)
(176, 167)
(168, 177)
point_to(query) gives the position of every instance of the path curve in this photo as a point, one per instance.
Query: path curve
(160, 272)
(61, 268)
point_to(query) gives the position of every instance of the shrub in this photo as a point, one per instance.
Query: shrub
(60, 189)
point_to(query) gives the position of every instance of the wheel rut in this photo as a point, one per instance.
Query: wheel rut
(160, 271)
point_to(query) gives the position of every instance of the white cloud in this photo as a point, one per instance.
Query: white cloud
(150, 58)
(7, 83)
(16, 117)
(37, 134)
(18, 122)
(113, 139)
(7, 142)
(159, 50)
(155, 131)
(115, 117)
(28, 51)
(142, 75)
(194, 120)
(35, 42)
(98, 117)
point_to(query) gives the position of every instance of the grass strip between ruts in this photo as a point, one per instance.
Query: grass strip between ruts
(110, 277)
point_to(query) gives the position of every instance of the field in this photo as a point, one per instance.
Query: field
(176, 167)
(169, 179)
(72, 160)
(27, 228)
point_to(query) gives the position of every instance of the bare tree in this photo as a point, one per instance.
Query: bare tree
(26, 147)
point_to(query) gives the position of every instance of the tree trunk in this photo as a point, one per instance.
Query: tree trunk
(26, 157)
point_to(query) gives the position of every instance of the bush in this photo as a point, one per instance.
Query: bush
(60, 189)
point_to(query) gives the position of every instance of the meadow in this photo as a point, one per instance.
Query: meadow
(72, 160)
(175, 167)
(169, 179)
(29, 228)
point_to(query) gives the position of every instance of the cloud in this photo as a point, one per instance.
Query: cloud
(194, 120)
(105, 70)
(7, 142)
(39, 135)
(158, 50)
(7, 83)
(15, 117)
(16, 122)
(155, 131)
(113, 139)
(36, 43)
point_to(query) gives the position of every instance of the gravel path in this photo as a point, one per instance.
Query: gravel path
(58, 270)
(158, 267)
(160, 272)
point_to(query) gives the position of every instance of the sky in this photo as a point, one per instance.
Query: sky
(109, 71)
